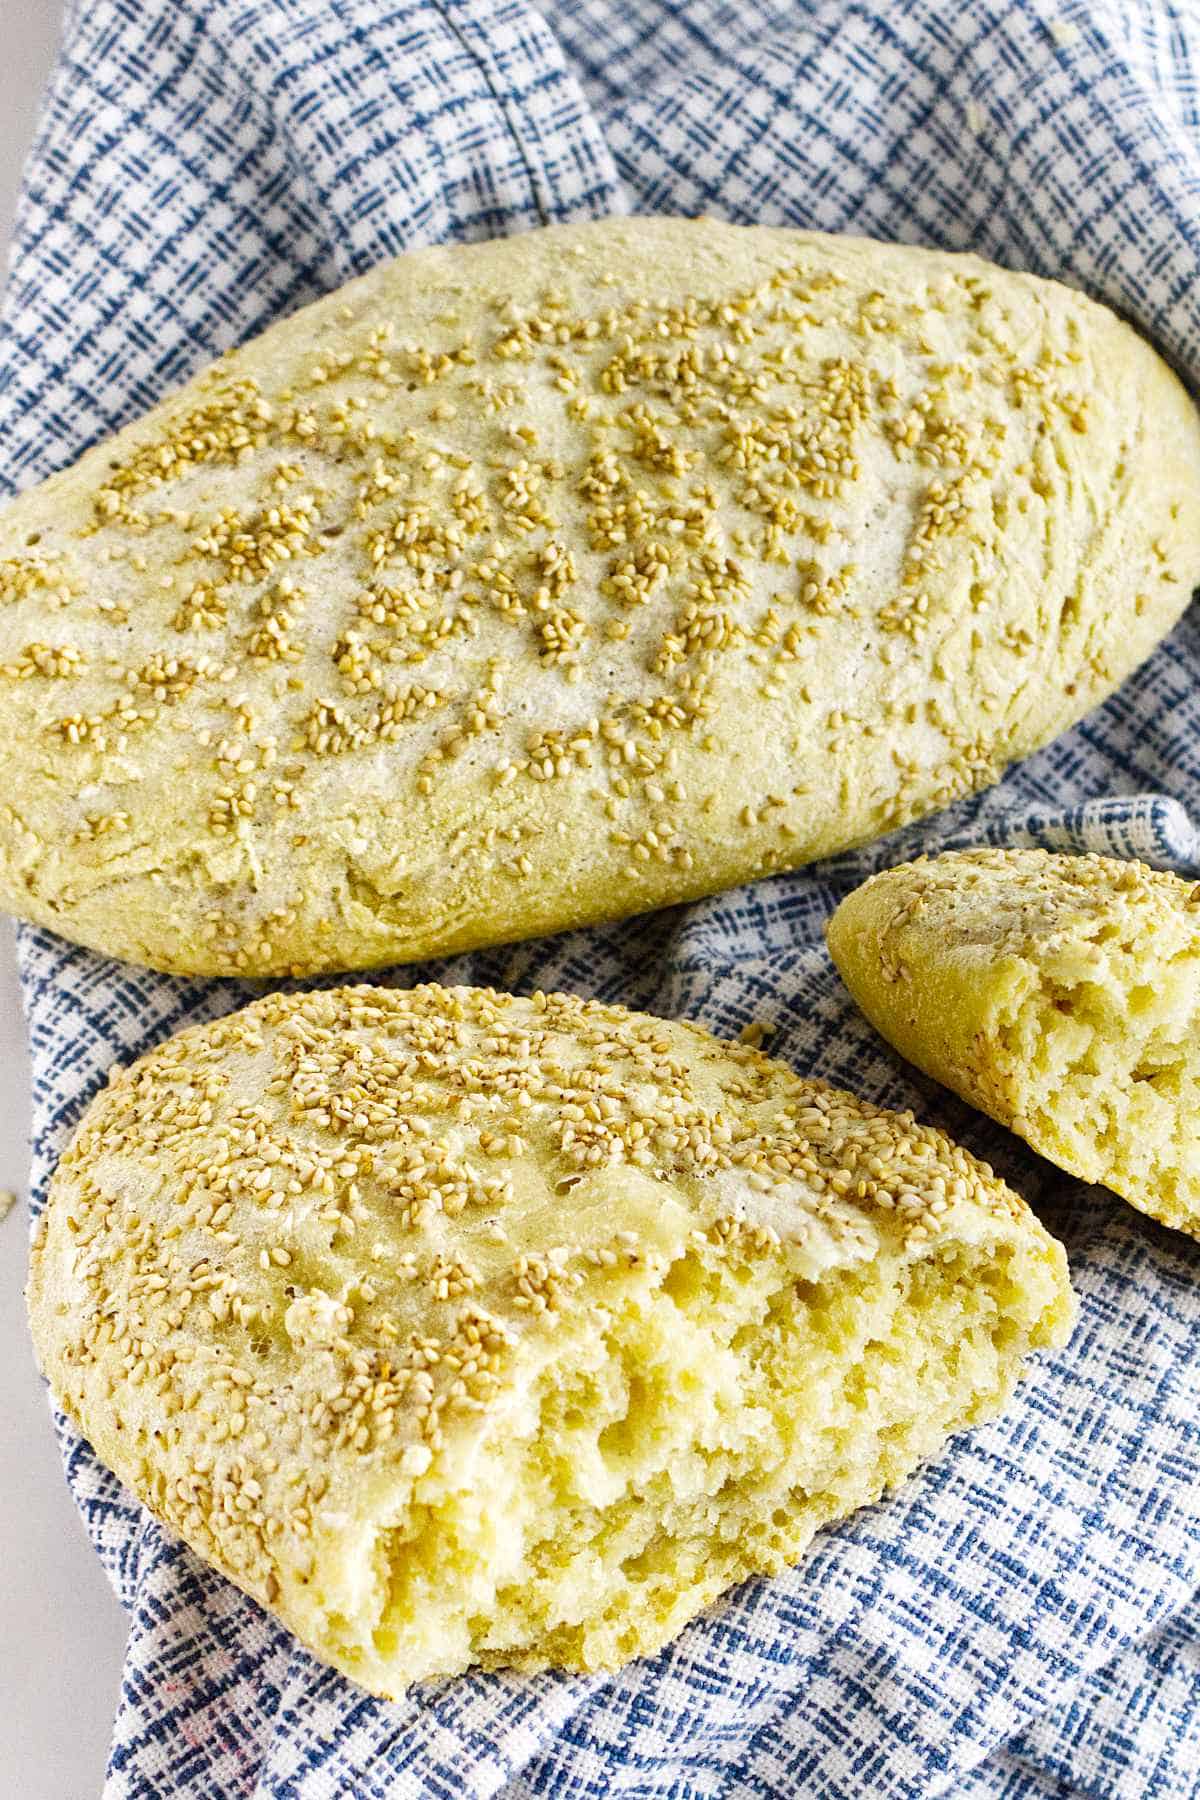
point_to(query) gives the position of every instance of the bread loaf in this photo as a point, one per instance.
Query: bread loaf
(1061, 994)
(464, 1329)
(533, 583)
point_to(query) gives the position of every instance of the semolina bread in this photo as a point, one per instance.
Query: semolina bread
(526, 584)
(1061, 994)
(465, 1329)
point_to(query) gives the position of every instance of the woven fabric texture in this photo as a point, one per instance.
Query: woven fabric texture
(1024, 1618)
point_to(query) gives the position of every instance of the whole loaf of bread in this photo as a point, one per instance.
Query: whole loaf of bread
(462, 1328)
(526, 584)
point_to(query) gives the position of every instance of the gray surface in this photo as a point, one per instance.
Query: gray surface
(63, 1632)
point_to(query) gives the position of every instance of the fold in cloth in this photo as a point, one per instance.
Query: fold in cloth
(1023, 1618)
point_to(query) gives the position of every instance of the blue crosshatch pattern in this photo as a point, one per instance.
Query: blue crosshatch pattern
(1023, 1620)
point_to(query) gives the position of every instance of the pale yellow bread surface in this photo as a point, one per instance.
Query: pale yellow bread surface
(1061, 994)
(526, 584)
(465, 1329)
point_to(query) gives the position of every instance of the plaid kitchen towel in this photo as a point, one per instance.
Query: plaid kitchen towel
(1024, 1618)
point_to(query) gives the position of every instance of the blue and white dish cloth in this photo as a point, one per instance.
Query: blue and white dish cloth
(1024, 1618)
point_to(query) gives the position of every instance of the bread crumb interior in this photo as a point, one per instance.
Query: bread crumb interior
(1107, 1044)
(697, 1426)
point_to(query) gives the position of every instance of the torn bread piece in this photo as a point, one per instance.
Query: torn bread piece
(462, 1329)
(1061, 994)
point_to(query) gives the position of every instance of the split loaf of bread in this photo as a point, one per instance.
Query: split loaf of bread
(465, 1329)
